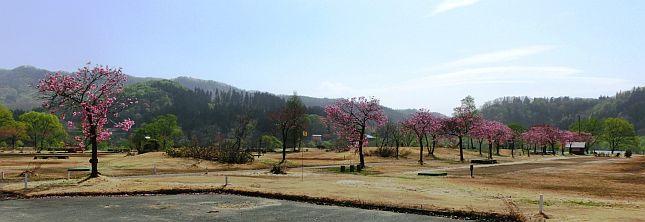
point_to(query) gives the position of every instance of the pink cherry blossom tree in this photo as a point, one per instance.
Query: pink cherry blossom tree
(435, 132)
(543, 135)
(460, 126)
(492, 131)
(352, 117)
(464, 119)
(501, 133)
(565, 138)
(420, 123)
(534, 137)
(480, 133)
(90, 94)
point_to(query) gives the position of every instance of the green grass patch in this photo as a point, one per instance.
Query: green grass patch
(536, 202)
(589, 203)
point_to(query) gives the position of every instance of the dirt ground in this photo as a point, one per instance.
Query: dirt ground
(575, 188)
(120, 164)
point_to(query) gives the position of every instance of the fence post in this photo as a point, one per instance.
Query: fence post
(225, 180)
(472, 168)
(2, 175)
(541, 203)
(26, 180)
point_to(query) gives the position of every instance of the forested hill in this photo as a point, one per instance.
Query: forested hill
(203, 114)
(17, 92)
(563, 111)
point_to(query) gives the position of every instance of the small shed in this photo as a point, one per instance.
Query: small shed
(577, 148)
(316, 138)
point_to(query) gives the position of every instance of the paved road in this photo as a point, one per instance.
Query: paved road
(205, 207)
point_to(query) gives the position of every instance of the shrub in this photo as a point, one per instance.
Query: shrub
(628, 153)
(383, 152)
(226, 152)
(404, 153)
(279, 169)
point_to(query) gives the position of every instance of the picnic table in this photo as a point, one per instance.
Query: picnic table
(51, 156)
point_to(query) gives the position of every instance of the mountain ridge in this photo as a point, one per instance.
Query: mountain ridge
(17, 92)
(20, 95)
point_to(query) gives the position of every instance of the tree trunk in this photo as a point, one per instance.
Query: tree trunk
(13, 143)
(397, 148)
(513, 149)
(284, 145)
(360, 147)
(497, 147)
(427, 144)
(553, 148)
(434, 144)
(421, 149)
(95, 160)
(461, 149)
(471, 143)
(528, 151)
(480, 147)
(490, 150)
(35, 143)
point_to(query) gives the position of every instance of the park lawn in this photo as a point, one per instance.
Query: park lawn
(575, 188)
(119, 164)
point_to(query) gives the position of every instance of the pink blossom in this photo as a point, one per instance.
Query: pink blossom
(90, 93)
(351, 118)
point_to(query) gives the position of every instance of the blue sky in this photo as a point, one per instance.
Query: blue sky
(410, 54)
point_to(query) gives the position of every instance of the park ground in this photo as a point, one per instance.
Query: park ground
(576, 188)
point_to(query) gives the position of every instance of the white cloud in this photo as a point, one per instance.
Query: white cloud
(448, 5)
(492, 75)
(501, 56)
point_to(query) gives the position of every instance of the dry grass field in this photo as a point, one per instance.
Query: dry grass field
(575, 188)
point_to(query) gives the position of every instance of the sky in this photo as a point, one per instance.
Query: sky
(409, 54)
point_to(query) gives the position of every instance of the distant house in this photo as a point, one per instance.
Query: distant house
(577, 148)
(370, 139)
(316, 138)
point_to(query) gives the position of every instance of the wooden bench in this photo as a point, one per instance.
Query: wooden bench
(433, 174)
(484, 161)
(51, 157)
(76, 169)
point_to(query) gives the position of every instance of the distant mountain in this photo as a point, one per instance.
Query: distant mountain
(207, 85)
(17, 91)
(563, 111)
(17, 86)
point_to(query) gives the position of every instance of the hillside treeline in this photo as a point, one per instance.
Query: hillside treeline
(563, 111)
